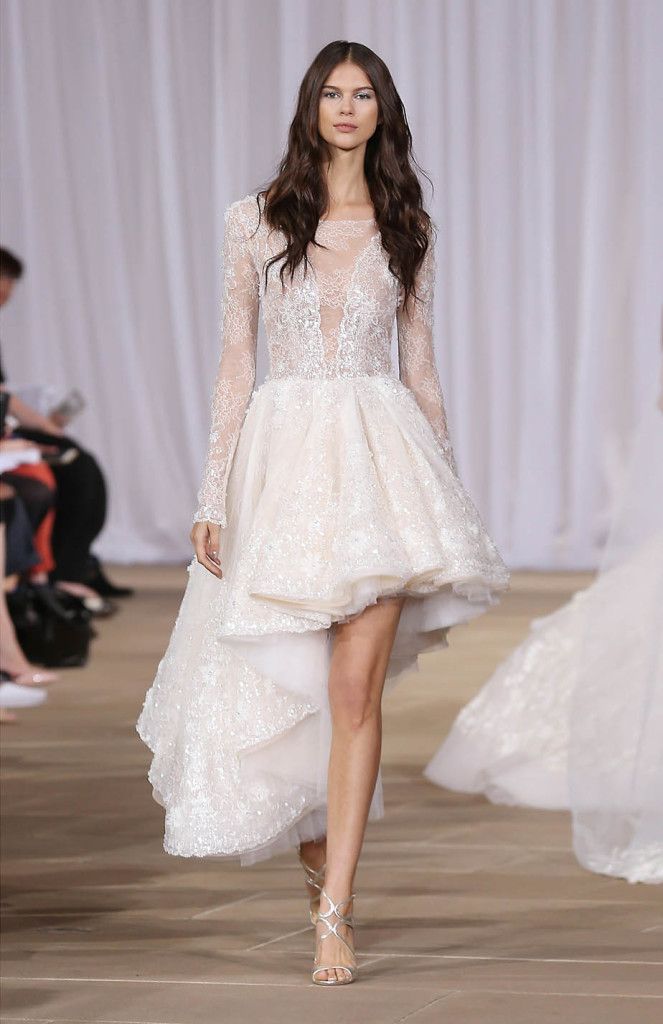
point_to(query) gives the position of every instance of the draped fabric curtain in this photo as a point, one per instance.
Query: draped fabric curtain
(129, 125)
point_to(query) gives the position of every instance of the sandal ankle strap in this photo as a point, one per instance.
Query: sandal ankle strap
(326, 916)
(316, 879)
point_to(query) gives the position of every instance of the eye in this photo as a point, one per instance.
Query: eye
(333, 94)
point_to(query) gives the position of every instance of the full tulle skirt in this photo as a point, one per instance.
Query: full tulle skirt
(339, 497)
(573, 719)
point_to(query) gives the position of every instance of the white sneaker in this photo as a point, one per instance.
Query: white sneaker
(14, 696)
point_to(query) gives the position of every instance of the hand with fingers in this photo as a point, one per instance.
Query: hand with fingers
(205, 540)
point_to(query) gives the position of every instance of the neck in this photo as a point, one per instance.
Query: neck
(346, 181)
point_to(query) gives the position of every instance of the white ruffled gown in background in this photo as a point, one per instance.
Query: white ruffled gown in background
(573, 719)
(335, 486)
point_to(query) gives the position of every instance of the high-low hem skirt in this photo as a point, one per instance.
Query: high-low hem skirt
(339, 497)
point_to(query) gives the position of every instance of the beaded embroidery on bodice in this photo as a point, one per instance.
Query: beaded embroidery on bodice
(334, 319)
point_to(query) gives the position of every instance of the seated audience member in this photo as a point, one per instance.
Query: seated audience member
(80, 495)
(21, 683)
(33, 482)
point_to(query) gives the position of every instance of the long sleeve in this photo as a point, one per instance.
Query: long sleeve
(235, 378)
(416, 354)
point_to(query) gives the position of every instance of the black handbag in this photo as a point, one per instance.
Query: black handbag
(54, 630)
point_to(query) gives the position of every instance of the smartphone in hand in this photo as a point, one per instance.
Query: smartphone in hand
(69, 406)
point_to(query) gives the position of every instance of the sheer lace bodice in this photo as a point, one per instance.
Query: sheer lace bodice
(335, 319)
(336, 486)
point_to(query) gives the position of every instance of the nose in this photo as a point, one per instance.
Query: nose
(347, 105)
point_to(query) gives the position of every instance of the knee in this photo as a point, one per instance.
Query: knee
(354, 699)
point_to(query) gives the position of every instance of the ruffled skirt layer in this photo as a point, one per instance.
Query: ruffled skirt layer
(573, 719)
(339, 496)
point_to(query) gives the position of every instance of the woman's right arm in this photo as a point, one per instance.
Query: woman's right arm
(235, 379)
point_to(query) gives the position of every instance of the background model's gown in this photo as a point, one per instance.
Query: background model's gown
(574, 717)
(335, 488)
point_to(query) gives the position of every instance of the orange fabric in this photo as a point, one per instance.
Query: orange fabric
(42, 537)
(42, 542)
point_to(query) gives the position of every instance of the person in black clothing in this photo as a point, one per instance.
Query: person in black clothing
(81, 496)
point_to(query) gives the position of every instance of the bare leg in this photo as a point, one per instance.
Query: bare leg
(314, 852)
(356, 681)
(12, 658)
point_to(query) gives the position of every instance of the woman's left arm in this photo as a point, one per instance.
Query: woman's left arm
(416, 353)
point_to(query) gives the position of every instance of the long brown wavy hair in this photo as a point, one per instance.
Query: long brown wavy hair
(298, 196)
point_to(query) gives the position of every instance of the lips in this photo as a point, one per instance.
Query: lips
(345, 127)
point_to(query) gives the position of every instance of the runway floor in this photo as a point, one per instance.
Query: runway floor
(468, 913)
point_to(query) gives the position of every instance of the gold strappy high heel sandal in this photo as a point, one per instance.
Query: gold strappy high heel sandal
(315, 881)
(332, 926)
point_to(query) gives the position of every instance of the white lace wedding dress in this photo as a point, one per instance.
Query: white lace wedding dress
(335, 485)
(574, 717)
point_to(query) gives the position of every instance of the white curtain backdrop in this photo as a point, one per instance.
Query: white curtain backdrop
(129, 125)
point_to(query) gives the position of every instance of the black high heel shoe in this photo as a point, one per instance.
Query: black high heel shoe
(97, 580)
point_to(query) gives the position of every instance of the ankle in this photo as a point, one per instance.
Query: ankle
(314, 853)
(17, 666)
(341, 896)
(339, 882)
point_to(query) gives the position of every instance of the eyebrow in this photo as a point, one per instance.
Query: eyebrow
(360, 88)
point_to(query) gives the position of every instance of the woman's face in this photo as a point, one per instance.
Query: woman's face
(348, 108)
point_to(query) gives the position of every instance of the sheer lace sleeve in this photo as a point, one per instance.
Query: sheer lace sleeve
(237, 366)
(416, 354)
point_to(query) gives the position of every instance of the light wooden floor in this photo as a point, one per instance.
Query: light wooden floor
(468, 913)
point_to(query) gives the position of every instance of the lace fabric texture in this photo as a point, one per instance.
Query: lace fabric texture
(335, 484)
(511, 742)
(335, 319)
(574, 717)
